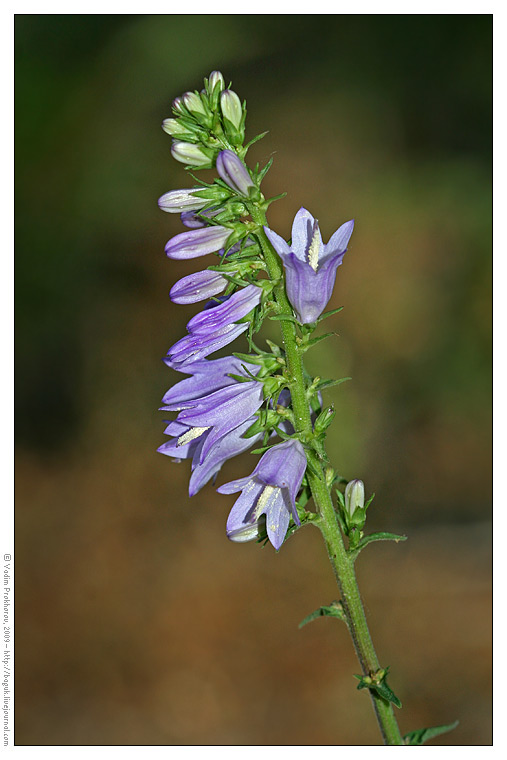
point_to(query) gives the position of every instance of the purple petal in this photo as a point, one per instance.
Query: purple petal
(284, 466)
(339, 239)
(229, 446)
(189, 245)
(197, 287)
(192, 348)
(302, 233)
(234, 172)
(207, 376)
(223, 411)
(278, 514)
(244, 507)
(236, 307)
(278, 243)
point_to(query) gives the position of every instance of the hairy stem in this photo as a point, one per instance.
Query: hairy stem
(342, 564)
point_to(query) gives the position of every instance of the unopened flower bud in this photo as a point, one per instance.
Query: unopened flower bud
(231, 107)
(187, 153)
(193, 221)
(216, 78)
(194, 103)
(177, 201)
(172, 127)
(354, 496)
(178, 105)
(234, 172)
(324, 419)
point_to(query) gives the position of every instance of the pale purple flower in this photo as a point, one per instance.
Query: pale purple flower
(198, 286)
(190, 245)
(221, 412)
(271, 489)
(207, 376)
(234, 172)
(177, 201)
(310, 265)
(227, 447)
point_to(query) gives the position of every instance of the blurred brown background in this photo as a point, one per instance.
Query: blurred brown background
(137, 621)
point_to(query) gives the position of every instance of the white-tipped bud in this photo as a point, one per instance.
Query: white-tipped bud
(216, 77)
(178, 105)
(172, 127)
(187, 153)
(231, 107)
(354, 496)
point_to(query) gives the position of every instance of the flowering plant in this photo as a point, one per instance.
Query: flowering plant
(264, 398)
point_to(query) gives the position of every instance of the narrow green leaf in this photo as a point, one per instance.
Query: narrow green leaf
(329, 314)
(264, 171)
(329, 383)
(422, 735)
(335, 610)
(256, 139)
(313, 342)
(382, 536)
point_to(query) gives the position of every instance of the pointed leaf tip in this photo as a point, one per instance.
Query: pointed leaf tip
(422, 735)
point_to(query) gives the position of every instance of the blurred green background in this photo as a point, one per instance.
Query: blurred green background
(137, 621)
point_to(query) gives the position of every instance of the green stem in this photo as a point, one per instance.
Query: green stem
(343, 565)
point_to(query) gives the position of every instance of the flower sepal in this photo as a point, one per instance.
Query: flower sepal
(377, 682)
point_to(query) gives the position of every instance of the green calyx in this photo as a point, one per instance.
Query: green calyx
(377, 682)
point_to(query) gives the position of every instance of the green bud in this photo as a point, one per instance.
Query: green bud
(231, 107)
(171, 126)
(193, 103)
(324, 419)
(190, 154)
(216, 79)
(354, 497)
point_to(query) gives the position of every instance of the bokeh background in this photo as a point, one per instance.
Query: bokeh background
(137, 621)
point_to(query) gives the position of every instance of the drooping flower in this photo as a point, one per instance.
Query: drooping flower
(221, 412)
(198, 286)
(226, 448)
(200, 242)
(207, 376)
(310, 265)
(234, 172)
(271, 489)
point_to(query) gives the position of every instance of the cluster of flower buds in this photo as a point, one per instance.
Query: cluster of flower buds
(227, 405)
(206, 122)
